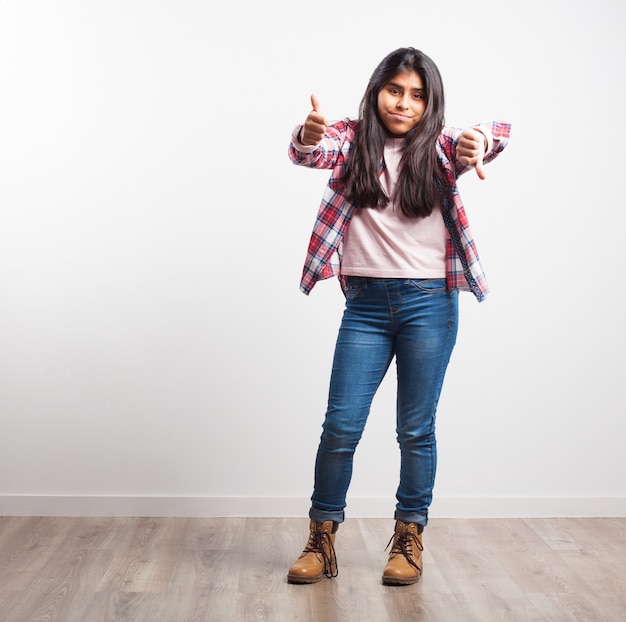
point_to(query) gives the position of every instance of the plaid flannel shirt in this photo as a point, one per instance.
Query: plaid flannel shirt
(323, 259)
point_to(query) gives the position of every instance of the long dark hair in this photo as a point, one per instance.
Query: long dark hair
(419, 166)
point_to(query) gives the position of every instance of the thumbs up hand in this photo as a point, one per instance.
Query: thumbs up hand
(315, 125)
(471, 150)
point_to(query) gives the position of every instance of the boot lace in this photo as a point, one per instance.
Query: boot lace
(403, 545)
(319, 542)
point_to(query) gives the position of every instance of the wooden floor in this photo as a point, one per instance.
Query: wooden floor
(230, 570)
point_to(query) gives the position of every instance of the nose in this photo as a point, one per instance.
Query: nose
(403, 102)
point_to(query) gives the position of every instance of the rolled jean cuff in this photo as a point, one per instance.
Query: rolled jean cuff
(321, 516)
(411, 517)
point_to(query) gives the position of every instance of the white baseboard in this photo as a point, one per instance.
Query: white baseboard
(361, 507)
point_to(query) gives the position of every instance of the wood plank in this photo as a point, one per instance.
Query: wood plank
(474, 570)
(145, 555)
(66, 583)
(205, 581)
(27, 543)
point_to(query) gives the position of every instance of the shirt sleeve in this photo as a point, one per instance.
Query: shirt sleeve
(295, 140)
(497, 133)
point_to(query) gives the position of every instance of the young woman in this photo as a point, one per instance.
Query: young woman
(392, 227)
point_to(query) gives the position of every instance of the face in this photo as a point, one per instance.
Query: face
(402, 103)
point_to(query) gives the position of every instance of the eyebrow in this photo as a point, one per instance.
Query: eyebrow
(400, 86)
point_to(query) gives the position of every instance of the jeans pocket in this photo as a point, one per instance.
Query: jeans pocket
(353, 287)
(430, 286)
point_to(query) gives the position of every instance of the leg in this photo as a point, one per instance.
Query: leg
(363, 353)
(427, 331)
(424, 345)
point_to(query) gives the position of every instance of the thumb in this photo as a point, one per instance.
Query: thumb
(480, 169)
(315, 103)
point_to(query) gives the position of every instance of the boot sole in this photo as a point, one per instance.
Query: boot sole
(395, 581)
(303, 580)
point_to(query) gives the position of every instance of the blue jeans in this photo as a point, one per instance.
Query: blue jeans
(416, 321)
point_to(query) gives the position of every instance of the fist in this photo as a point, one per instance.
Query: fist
(471, 150)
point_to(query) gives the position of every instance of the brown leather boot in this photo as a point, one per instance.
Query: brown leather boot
(318, 558)
(405, 559)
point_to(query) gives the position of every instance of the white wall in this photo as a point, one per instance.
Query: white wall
(153, 342)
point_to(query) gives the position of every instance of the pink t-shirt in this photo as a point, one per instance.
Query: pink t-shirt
(384, 243)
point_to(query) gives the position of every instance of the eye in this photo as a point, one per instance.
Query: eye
(418, 96)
